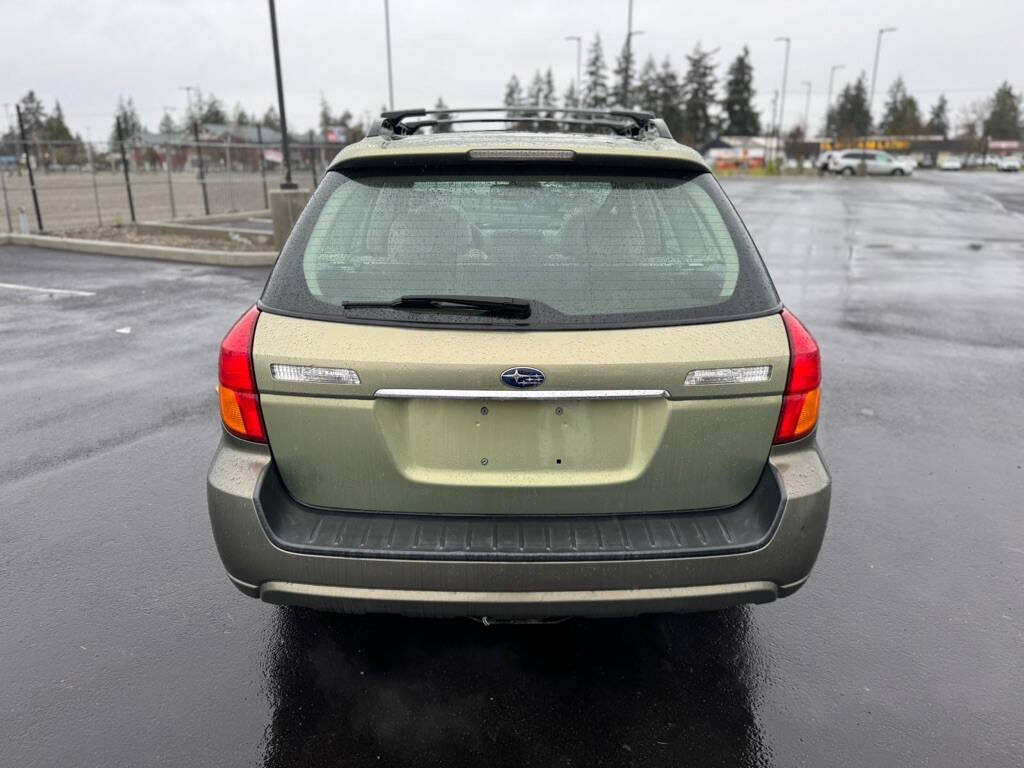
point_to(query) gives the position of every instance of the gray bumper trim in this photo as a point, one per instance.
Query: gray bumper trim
(295, 527)
(611, 602)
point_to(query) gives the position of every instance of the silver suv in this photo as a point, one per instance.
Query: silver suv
(848, 162)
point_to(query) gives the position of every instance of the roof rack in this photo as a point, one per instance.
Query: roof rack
(633, 123)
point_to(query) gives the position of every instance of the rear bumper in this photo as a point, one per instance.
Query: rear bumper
(269, 560)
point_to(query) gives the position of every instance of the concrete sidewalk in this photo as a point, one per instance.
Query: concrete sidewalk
(141, 251)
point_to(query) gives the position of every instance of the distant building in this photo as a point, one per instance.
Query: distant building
(738, 151)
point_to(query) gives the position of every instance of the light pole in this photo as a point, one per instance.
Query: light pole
(782, 95)
(579, 66)
(387, 35)
(807, 108)
(629, 59)
(286, 155)
(874, 71)
(828, 99)
(629, 55)
(188, 98)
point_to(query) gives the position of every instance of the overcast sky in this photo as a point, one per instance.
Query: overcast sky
(87, 53)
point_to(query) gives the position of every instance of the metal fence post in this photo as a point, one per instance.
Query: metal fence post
(199, 157)
(124, 165)
(231, 186)
(312, 158)
(28, 162)
(7, 207)
(263, 167)
(95, 189)
(170, 183)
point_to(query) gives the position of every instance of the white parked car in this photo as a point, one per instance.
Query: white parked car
(950, 163)
(1009, 163)
(876, 163)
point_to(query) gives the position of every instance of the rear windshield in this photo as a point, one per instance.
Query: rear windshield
(586, 249)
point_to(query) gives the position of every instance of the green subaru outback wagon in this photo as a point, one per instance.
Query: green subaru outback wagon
(518, 374)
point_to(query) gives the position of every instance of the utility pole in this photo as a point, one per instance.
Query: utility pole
(188, 98)
(387, 35)
(769, 150)
(629, 56)
(263, 165)
(286, 155)
(28, 163)
(807, 109)
(124, 167)
(579, 67)
(874, 71)
(828, 99)
(782, 97)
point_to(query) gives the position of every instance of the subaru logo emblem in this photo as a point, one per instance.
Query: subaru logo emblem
(522, 377)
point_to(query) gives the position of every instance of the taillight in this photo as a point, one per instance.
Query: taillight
(803, 385)
(239, 400)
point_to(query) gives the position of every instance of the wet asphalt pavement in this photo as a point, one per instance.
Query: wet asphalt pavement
(123, 643)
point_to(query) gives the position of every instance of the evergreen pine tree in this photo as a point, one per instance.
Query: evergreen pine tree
(623, 92)
(595, 90)
(570, 98)
(440, 105)
(167, 124)
(645, 94)
(513, 92)
(536, 90)
(33, 113)
(741, 119)
(901, 116)
(669, 98)
(938, 118)
(1003, 121)
(850, 117)
(548, 98)
(699, 97)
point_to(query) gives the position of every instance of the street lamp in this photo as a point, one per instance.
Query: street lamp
(579, 63)
(782, 96)
(286, 155)
(629, 54)
(807, 108)
(874, 71)
(387, 35)
(828, 99)
(188, 97)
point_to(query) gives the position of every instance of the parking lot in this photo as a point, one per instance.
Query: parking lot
(123, 643)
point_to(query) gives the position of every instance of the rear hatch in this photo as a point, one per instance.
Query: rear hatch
(648, 375)
(621, 433)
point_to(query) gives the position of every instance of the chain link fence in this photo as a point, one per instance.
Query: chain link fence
(80, 185)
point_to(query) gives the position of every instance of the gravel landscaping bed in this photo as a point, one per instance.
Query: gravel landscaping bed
(128, 234)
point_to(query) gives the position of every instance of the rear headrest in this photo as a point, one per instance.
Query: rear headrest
(429, 233)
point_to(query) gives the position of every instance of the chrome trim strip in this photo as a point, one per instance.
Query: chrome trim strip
(521, 394)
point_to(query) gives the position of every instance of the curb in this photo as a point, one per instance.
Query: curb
(197, 230)
(262, 213)
(140, 251)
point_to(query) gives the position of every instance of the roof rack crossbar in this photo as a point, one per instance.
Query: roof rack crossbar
(635, 123)
(618, 127)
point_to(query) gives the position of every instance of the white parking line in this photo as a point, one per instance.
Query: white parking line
(65, 291)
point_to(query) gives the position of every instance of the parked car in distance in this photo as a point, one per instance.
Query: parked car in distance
(950, 163)
(1009, 163)
(519, 375)
(848, 163)
(907, 159)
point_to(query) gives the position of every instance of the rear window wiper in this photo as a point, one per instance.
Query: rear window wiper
(497, 305)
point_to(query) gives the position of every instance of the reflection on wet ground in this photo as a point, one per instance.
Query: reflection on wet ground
(673, 690)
